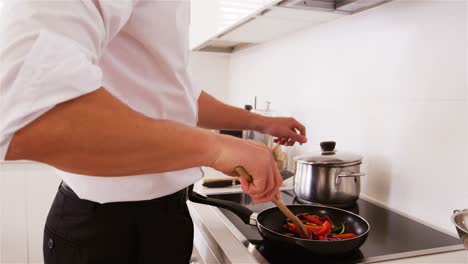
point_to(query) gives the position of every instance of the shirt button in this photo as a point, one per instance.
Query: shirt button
(51, 243)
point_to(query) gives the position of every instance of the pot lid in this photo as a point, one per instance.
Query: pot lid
(328, 156)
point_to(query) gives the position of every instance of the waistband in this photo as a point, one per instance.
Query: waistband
(177, 196)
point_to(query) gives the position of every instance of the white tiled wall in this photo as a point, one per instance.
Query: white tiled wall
(388, 83)
(26, 193)
(210, 72)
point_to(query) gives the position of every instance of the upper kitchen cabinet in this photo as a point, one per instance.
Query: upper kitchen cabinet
(228, 25)
(210, 18)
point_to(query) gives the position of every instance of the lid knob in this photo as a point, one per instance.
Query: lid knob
(328, 146)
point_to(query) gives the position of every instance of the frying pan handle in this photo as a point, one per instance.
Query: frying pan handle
(242, 212)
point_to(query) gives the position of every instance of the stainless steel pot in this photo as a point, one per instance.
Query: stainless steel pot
(460, 220)
(328, 177)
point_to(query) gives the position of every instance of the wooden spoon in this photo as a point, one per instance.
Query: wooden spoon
(285, 210)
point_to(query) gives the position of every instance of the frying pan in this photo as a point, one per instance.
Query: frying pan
(270, 223)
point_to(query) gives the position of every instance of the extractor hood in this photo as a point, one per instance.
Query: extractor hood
(351, 6)
(280, 18)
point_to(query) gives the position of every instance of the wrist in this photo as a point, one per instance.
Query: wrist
(213, 147)
(258, 123)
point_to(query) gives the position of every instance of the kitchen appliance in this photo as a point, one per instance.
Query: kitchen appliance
(392, 236)
(270, 225)
(275, 19)
(460, 220)
(328, 177)
(333, 5)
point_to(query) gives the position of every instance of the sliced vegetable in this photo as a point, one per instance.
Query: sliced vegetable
(313, 229)
(345, 236)
(326, 228)
(314, 219)
(327, 218)
(292, 227)
(310, 229)
(323, 237)
(338, 229)
(320, 228)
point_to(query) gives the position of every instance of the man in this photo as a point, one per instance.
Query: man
(100, 88)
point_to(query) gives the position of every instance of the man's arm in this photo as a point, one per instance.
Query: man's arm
(214, 114)
(96, 134)
(50, 89)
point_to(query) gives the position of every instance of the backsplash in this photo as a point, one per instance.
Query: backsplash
(388, 83)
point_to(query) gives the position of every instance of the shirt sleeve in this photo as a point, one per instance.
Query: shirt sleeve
(48, 55)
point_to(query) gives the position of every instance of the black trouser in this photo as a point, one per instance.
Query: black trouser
(154, 231)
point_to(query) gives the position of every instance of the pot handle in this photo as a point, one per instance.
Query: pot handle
(347, 175)
(244, 213)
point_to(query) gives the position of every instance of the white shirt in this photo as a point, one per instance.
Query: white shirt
(53, 51)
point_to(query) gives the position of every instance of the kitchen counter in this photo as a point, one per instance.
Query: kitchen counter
(211, 173)
(225, 244)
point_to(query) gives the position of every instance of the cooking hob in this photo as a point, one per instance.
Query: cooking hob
(391, 235)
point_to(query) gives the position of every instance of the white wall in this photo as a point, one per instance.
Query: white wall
(210, 72)
(388, 83)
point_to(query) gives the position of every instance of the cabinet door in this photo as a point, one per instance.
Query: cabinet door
(211, 17)
(234, 11)
(26, 193)
(204, 21)
(13, 220)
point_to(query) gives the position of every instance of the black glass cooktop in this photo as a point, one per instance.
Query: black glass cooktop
(391, 236)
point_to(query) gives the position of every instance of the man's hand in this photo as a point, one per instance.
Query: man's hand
(257, 159)
(287, 130)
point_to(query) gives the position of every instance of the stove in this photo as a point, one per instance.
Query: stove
(392, 236)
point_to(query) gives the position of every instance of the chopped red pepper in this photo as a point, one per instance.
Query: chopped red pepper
(314, 219)
(345, 236)
(310, 229)
(319, 228)
(292, 227)
(323, 237)
(313, 229)
(326, 218)
(325, 229)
